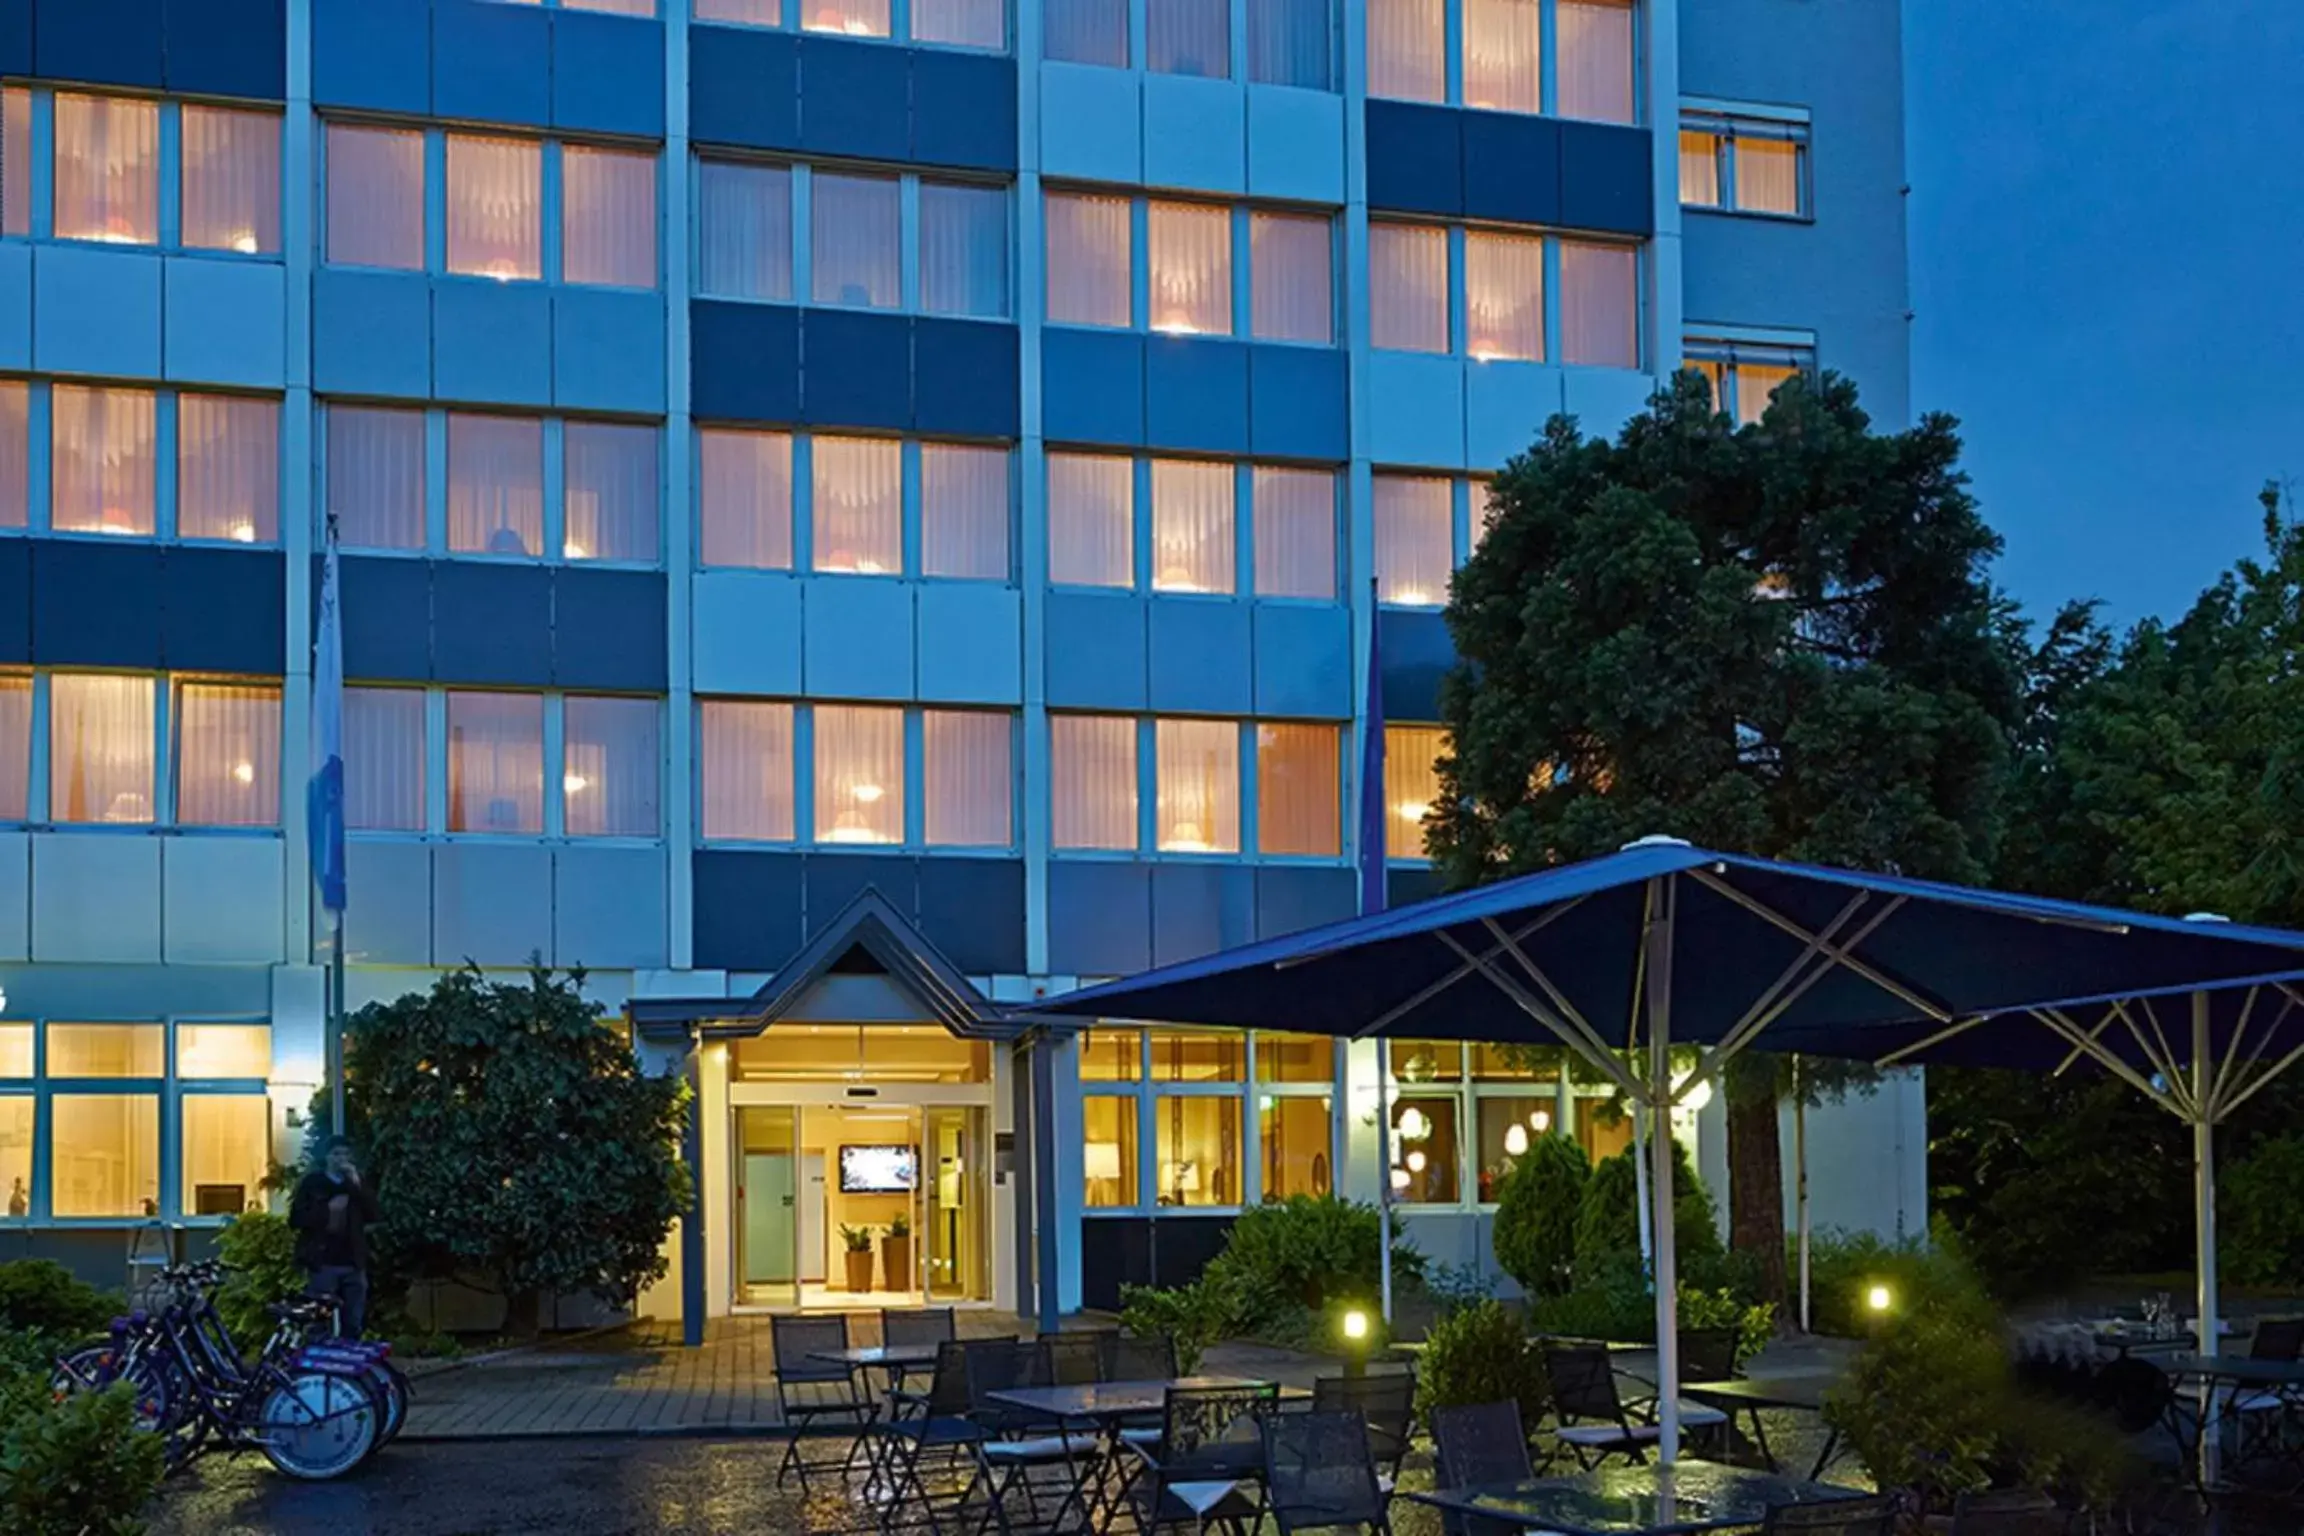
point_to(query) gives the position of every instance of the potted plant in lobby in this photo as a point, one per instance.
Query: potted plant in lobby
(858, 1242)
(896, 1253)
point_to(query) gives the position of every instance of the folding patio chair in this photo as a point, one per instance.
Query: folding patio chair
(902, 1326)
(1475, 1444)
(809, 1389)
(1016, 1443)
(1319, 1475)
(1207, 1463)
(1073, 1359)
(1386, 1401)
(931, 1425)
(1593, 1421)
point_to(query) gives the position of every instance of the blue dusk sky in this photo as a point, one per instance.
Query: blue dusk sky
(2107, 228)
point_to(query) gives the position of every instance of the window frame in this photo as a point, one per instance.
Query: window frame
(1720, 349)
(1241, 256)
(163, 784)
(165, 470)
(1142, 574)
(1247, 811)
(1467, 501)
(1724, 123)
(1468, 1092)
(1555, 297)
(899, 28)
(1456, 40)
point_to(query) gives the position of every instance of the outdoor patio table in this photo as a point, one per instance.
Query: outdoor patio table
(897, 1360)
(1802, 1393)
(2284, 1378)
(1692, 1497)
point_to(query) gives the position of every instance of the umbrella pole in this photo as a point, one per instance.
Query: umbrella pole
(2210, 1338)
(1384, 1171)
(1800, 1171)
(1659, 999)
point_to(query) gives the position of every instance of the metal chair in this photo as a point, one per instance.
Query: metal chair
(1386, 1402)
(2278, 1338)
(1016, 1442)
(1320, 1475)
(1872, 1516)
(1709, 1354)
(1133, 1358)
(809, 1389)
(1593, 1421)
(1211, 1444)
(1475, 1444)
(1073, 1359)
(902, 1326)
(2008, 1512)
(934, 1424)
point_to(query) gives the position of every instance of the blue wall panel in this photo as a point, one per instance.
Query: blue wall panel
(15, 37)
(965, 378)
(743, 360)
(372, 53)
(972, 910)
(386, 610)
(607, 350)
(855, 369)
(1416, 409)
(832, 880)
(15, 601)
(1505, 405)
(1092, 386)
(1298, 403)
(1415, 158)
(1096, 650)
(227, 48)
(1198, 909)
(96, 604)
(1099, 918)
(371, 333)
(1201, 662)
(96, 311)
(491, 903)
(747, 907)
(1289, 900)
(855, 99)
(964, 110)
(225, 610)
(103, 42)
(224, 322)
(1406, 887)
(492, 623)
(744, 629)
(608, 906)
(1303, 660)
(608, 73)
(743, 87)
(970, 642)
(1417, 654)
(608, 629)
(1607, 181)
(856, 637)
(491, 341)
(392, 924)
(1091, 123)
(1295, 144)
(1512, 167)
(1195, 133)
(1196, 394)
(491, 62)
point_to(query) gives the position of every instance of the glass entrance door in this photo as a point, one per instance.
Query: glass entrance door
(953, 1204)
(767, 1200)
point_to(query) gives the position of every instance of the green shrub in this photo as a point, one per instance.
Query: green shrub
(259, 1249)
(1453, 1287)
(2263, 1239)
(1536, 1210)
(1754, 1322)
(1191, 1317)
(1844, 1266)
(71, 1466)
(1620, 1305)
(1481, 1354)
(1608, 1220)
(40, 1295)
(1298, 1254)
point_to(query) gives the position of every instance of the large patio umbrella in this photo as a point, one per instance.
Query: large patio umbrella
(1666, 944)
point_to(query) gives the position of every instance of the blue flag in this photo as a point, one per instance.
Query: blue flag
(1372, 808)
(325, 797)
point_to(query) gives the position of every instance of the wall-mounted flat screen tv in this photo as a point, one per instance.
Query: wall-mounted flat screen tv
(879, 1170)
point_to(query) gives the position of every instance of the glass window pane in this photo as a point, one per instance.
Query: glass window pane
(227, 755)
(384, 759)
(1508, 1125)
(1192, 543)
(608, 783)
(1502, 55)
(855, 241)
(750, 13)
(102, 474)
(1503, 295)
(1088, 269)
(1408, 287)
(1599, 304)
(970, 788)
(1503, 1063)
(1111, 1055)
(1091, 520)
(1085, 32)
(1425, 1151)
(99, 748)
(16, 1129)
(963, 511)
(1767, 176)
(1294, 514)
(1297, 1130)
(107, 1050)
(15, 190)
(1290, 296)
(1699, 169)
(963, 250)
(610, 491)
(857, 485)
(230, 185)
(495, 207)
(607, 217)
(747, 771)
(1188, 247)
(1408, 49)
(1298, 790)
(1188, 37)
(228, 468)
(743, 230)
(15, 749)
(1199, 1149)
(857, 18)
(859, 774)
(495, 762)
(15, 453)
(1283, 1058)
(1415, 539)
(376, 197)
(744, 498)
(1108, 1156)
(612, 7)
(227, 1152)
(1756, 385)
(1596, 60)
(1427, 1061)
(107, 169)
(1197, 781)
(1602, 1128)
(1288, 43)
(1092, 778)
(104, 1154)
(1199, 1056)
(1411, 785)
(961, 23)
(376, 477)
(495, 485)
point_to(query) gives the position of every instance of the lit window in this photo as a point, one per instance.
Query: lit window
(1425, 1151)
(964, 511)
(749, 13)
(376, 197)
(1767, 175)
(744, 498)
(495, 485)
(1290, 297)
(107, 1050)
(15, 191)
(961, 23)
(104, 1154)
(495, 762)
(1108, 1153)
(1091, 520)
(1503, 51)
(16, 1050)
(963, 250)
(1092, 771)
(376, 476)
(1408, 49)
(1284, 1058)
(227, 1152)
(1596, 60)
(1411, 785)
(107, 169)
(495, 207)
(1296, 1129)
(15, 453)
(227, 755)
(1699, 168)
(858, 518)
(1196, 780)
(608, 785)
(856, 18)
(228, 468)
(1199, 1149)
(1294, 514)
(612, 7)
(1188, 248)
(384, 759)
(231, 180)
(610, 491)
(855, 241)
(1192, 543)
(99, 748)
(859, 774)
(101, 479)
(1415, 539)
(743, 230)
(1298, 793)
(17, 1115)
(1496, 1117)
(607, 217)
(1745, 375)
(965, 760)
(1199, 1056)
(1503, 295)
(1408, 287)
(1288, 43)
(1085, 32)
(1744, 164)
(15, 749)
(747, 771)
(1188, 37)
(1088, 268)
(1599, 305)
(1111, 1055)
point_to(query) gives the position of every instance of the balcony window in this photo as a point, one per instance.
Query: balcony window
(1188, 250)
(1091, 520)
(376, 197)
(858, 491)
(963, 250)
(15, 750)
(1408, 287)
(1294, 514)
(744, 498)
(964, 511)
(970, 788)
(495, 485)
(859, 774)
(1291, 297)
(107, 169)
(1298, 790)
(1088, 262)
(743, 230)
(610, 757)
(607, 217)
(228, 468)
(227, 755)
(1503, 55)
(495, 762)
(1599, 304)
(103, 472)
(1503, 295)
(1408, 49)
(1092, 772)
(1188, 37)
(856, 241)
(1196, 774)
(1085, 32)
(1411, 786)
(1192, 540)
(384, 769)
(100, 732)
(15, 453)
(1597, 60)
(230, 188)
(1415, 539)
(747, 771)
(1288, 43)
(609, 491)
(376, 476)
(495, 207)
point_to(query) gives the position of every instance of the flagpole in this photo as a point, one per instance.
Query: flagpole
(336, 1025)
(325, 808)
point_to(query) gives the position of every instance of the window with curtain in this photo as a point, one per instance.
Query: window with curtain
(1088, 265)
(495, 485)
(1092, 781)
(15, 190)
(106, 169)
(229, 186)
(227, 755)
(103, 1154)
(1188, 37)
(744, 498)
(102, 468)
(1503, 295)
(223, 1050)
(855, 241)
(107, 1050)
(1196, 783)
(1192, 542)
(1599, 304)
(1294, 515)
(607, 217)
(1091, 520)
(15, 746)
(18, 1117)
(1408, 287)
(1768, 176)
(376, 197)
(1108, 1156)
(1085, 32)
(99, 748)
(1297, 1131)
(961, 23)
(1198, 1149)
(749, 13)
(1699, 169)
(228, 468)
(1188, 254)
(963, 511)
(609, 491)
(1503, 55)
(495, 207)
(856, 18)
(1597, 60)
(857, 522)
(1288, 43)
(376, 476)
(1408, 49)
(1298, 790)
(15, 453)
(495, 762)
(746, 771)
(384, 759)
(609, 767)
(1411, 786)
(963, 250)
(1756, 385)
(1291, 295)
(970, 786)
(1415, 539)
(859, 753)
(743, 230)
(1744, 375)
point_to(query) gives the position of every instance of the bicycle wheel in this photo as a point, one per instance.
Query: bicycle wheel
(392, 1392)
(315, 1425)
(87, 1366)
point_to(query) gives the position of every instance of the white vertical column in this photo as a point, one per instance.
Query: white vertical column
(679, 511)
(1031, 567)
(1661, 105)
(300, 495)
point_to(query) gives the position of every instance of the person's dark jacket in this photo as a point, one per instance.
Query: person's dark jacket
(316, 1246)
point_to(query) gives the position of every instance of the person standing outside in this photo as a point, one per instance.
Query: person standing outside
(331, 1213)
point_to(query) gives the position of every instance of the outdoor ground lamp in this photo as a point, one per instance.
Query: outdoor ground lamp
(1355, 1328)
